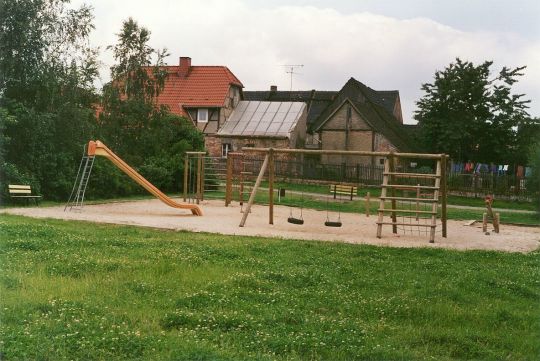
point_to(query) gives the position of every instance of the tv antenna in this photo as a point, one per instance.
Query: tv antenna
(292, 71)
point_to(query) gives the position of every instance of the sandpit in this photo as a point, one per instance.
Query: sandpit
(357, 228)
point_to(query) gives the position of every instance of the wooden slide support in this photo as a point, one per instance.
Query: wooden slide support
(98, 148)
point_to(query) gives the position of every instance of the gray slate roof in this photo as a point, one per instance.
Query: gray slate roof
(318, 100)
(374, 112)
(263, 118)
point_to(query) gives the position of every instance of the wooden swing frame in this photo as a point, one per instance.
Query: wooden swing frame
(389, 177)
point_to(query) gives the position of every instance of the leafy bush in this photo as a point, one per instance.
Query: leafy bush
(533, 183)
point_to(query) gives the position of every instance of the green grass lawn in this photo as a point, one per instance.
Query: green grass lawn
(74, 290)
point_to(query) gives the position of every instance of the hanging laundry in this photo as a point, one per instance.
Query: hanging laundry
(528, 172)
(478, 168)
(505, 167)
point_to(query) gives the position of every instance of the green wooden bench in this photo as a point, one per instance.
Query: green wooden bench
(350, 191)
(17, 191)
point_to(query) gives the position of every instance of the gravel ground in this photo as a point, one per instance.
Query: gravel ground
(357, 228)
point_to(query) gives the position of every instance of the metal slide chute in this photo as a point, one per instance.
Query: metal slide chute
(98, 148)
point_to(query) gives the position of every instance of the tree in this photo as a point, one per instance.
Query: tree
(533, 182)
(146, 135)
(470, 115)
(47, 69)
(129, 100)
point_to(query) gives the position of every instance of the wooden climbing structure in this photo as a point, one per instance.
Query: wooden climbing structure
(417, 212)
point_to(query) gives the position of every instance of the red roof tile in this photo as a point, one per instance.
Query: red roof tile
(204, 86)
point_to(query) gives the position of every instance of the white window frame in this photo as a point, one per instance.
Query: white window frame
(225, 149)
(201, 111)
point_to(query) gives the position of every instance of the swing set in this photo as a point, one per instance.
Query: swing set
(395, 181)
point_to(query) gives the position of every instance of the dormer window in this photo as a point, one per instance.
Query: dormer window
(202, 115)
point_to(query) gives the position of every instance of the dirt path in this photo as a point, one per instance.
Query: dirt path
(357, 228)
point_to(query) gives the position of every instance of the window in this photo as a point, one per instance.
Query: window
(202, 115)
(225, 149)
(381, 161)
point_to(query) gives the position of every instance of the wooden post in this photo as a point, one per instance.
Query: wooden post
(271, 186)
(202, 176)
(417, 199)
(381, 199)
(495, 217)
(228, 186)
(444, 194)
(198, 180)
(241, 189)
(254, 190)
(368, 205)
(393, 191)
(186, 171)
(484, 222)
(496, 222)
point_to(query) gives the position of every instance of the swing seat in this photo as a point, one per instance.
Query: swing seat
(332, 224)
(295, 220)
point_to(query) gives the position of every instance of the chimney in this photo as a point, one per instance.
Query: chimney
(273, 88)
(185, 66)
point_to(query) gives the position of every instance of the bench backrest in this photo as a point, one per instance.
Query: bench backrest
(19, 189)
(339, 188)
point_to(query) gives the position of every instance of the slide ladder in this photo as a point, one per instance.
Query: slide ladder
(76, 198)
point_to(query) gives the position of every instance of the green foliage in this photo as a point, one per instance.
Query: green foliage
(134, 77)
(146, 136)
(470, 116)
(47, 73)
(533, 183)
(47, 100)
(73, 290)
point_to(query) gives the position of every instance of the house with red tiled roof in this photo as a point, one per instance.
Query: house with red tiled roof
(205, 94)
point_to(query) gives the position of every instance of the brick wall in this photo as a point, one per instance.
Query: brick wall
(213, 145)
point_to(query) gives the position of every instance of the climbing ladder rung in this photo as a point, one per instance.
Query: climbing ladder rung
(409, 199)
(405, 211)
(406, 224)
(409, 187)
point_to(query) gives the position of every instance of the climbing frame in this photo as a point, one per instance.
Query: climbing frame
(413, 213)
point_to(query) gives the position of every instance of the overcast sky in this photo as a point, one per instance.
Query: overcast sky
(386, 45)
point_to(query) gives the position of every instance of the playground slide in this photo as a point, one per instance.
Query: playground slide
(98, 148)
